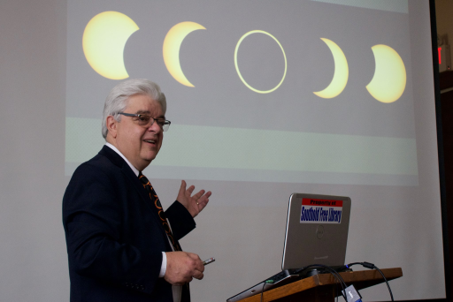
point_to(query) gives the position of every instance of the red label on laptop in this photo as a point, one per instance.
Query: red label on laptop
(321, 211)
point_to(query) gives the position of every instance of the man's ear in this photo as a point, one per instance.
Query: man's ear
(112, 126)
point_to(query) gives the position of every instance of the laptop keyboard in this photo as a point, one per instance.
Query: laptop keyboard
(278, 279)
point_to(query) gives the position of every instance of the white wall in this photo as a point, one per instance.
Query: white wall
(33, 261)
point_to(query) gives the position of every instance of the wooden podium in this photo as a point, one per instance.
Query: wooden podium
(324, 287)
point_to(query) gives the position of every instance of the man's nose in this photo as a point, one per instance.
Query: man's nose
(155, 127)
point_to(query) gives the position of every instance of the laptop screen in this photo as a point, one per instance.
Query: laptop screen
(316, 230)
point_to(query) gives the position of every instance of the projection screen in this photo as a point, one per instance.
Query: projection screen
(269, 98)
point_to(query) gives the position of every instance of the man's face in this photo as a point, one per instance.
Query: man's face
(139, 144)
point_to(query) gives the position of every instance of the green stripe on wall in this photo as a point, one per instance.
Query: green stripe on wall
(232, 148)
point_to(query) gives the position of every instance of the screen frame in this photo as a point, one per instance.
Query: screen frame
(440, 143)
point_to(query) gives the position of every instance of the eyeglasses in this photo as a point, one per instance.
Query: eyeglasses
(147, 121)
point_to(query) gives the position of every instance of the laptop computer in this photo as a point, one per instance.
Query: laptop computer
(316, 233)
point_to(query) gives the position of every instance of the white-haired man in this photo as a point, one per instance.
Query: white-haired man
(121, 245)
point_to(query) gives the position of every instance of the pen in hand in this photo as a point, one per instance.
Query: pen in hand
(207, 261)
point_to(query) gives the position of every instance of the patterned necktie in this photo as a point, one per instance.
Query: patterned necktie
(155, 200)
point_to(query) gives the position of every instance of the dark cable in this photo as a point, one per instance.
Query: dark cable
(264, 284)
(386, 282)
(331, 271)
(328, 268)
(372, 266)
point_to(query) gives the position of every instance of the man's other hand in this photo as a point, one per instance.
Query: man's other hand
(193, 203)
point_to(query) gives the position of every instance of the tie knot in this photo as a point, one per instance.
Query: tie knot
(143, 179)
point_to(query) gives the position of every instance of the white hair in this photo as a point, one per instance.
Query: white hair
(118, 98)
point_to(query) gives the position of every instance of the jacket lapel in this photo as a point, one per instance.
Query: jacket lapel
(118, 161)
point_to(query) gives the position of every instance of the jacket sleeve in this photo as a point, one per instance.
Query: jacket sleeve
(180, 220)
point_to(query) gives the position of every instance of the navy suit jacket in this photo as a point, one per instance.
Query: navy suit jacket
(113, 235)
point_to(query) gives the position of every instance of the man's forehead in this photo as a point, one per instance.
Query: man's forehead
(143, 104)
(148, 112)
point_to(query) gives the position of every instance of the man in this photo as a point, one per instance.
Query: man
(118, 246)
